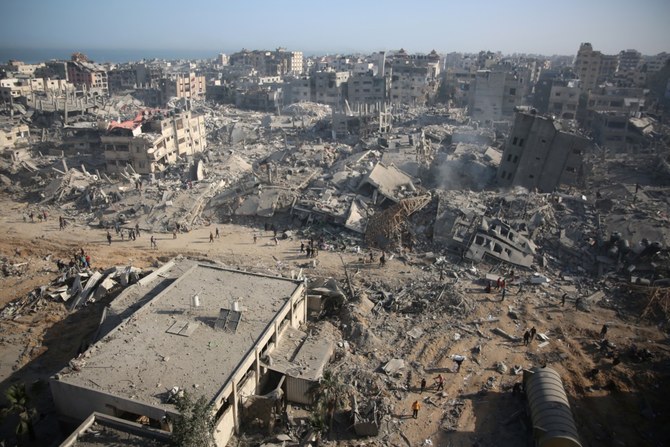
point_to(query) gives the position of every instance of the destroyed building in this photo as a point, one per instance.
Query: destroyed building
(152, 140)
(89, 76)
(540, 154)
(211, 330)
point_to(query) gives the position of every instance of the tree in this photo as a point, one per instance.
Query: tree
(195, 425)
(19, 404)
(328, 396)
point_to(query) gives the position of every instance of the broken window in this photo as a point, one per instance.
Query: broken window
(503, 174)
(514, 140)
(516, 158)
(509, 157)
(497, 248)
(509, 176)
(521, 142)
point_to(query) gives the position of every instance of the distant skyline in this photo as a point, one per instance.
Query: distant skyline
(205, 28)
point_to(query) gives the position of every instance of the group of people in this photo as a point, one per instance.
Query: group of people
(41, 215)
(310, 249)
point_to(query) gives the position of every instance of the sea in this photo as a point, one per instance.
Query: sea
(34, 55)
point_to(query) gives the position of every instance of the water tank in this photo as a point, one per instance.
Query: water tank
(553, 423)
(236, 306)
(195, 301)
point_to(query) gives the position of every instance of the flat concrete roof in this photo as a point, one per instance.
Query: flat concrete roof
(141, 360)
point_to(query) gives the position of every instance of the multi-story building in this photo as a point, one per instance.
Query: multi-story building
(330, 87)
(89, 76)
(411, 84)
(298, 90)
(564, 99)
(270, 63)
(366, 88)
(656, 63)
(13, 88)
(223, 334)
(540, 155)
(183, 86)
(12, 135)
(152, 141)
(495, 94)
(587, 65)
(629, 60)
(121, 79)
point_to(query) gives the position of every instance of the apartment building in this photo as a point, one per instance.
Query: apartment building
(540, 154)
(152, 141)
(330, 87)
(366, 88)
(564, 99)
(182, 85)
(13, 88)
(88, 76)
(495, 94)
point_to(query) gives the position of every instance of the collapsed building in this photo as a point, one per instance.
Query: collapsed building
(540, 154)
(152, 141)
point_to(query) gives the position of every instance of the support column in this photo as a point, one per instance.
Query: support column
(235, 410)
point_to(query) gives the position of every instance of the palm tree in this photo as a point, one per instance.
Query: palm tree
(19, 404)
(328, 395)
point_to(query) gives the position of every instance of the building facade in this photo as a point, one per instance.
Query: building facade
(540, 155)
(88, 76)
(152, 141)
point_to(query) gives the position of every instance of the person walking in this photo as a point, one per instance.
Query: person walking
(423, 384)
(603, 331)
(255, 238)
(533, 332)
(439, 382)
(174, 234)
(458, 359)
(416, 406)
(309, 251)
(526, 338)
(565, 295)
(109, 237)
(217, 232)
(382, 259)
(504, 290)
(137, 229)
(211, 237)
(153, 242)
(302, 247)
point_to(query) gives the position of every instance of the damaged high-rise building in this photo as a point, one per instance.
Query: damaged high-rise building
(540, 154)
(152, 140)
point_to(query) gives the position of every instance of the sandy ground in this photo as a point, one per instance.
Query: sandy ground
(620, 405)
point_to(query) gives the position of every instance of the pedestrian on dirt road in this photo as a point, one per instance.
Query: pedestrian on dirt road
(504, 290)
(458, 359)
(372, 258)
(87, 258)
(153, 242)
(211, 237)
(217, 232)
(439, 382)
(255, 238)
(526, 338)
(382, 260)
(45, 215)
(565, 295)
(137, 229)
(488, 287)
(174, 234)
(533, 332)
(416, 406)
(498, 283)
(302, 247)
(32, 216)
(603, 332)
(423, 384)
(109, 238)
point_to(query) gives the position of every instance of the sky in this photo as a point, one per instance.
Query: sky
(344, 26)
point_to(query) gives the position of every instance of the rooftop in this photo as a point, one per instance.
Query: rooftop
(168, 343)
